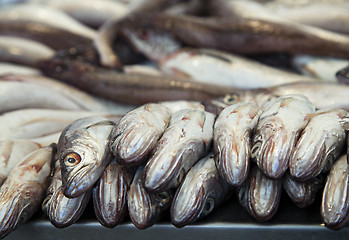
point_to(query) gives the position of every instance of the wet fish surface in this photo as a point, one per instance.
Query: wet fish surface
(146, 208)
(186, 140)
(232, 141)
(202, 191)
(83, 153)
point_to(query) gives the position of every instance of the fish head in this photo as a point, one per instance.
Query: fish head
(343, 75)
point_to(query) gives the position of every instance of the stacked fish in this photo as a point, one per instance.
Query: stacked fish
(154, 106)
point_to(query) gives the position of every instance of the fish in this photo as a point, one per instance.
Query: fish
(320, 94)
(334, 204)
(278, 129)
(146, 208)
(175, 106)
(320, 144)
(260, 195)
(138, 132)
(136, 89)
(232, 141)
(10, 68)
(83, 153)
(110, 194)
(23, 51)
(204, 65)
(343, 75)
(324, 68)
(62, 211)
(187, 139)
(12, 152)
(302, 193)
(24, 189)
(202, 191)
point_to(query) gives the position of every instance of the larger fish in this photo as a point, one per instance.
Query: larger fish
(202, 191)
(232, 141)
(83, 153)
(335, 198)
(277, 131)
(22, 192)
(146, 208)
(186, 140)
(62, 211)
(110, 194)
(138, 132)
(205, 65)
(319, 145)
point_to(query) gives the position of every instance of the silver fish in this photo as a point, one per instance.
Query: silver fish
(277, 131)
(335, 203)
(62, 211)
(23, 190)
(83, 153)
(260, 195)
(204, 65)
(185, 141)
(145, 208)
(10, 68)
(302, 193)
(319, 145)
(110, 194)
(12, 152)
(202, 191)
(138, 132)
(232, 141)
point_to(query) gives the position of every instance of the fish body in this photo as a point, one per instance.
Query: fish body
(83, 153)
(146, 208)
(320, 144)
(232, 141)
(23, 190)
(202, 191)
(138, 132)
(10, 68)
(335, 203)
(277, 131)
(186, 140)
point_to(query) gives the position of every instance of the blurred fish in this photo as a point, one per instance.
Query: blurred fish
(146, 208)
(260, 195)
(23, 190)
(62, 211)
(201, 192)
(186, 140)
(110, 194)
(319, 145)
(343, 75)
(232, 141)
(138, 132)
(277, 131)
(335, 203)
(83, 153)
(10, 68)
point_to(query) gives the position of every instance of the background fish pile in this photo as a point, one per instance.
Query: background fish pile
(148, 107)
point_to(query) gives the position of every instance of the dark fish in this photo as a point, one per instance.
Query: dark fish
(343, 75)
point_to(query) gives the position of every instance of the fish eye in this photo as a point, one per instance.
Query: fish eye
(72, 159)
(209, 205)
(255, 149)
(230, 98)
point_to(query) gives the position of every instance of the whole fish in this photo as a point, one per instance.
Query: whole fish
(146, 208)
(260, 195)
(319, 145)
(110, 194)
(204, 65)
(23, 190)
(232, 141)
(302, 193)
(83, 153)
(62, 211)
(277, 131)
(23, 51)
(12, 152)
(202, 191)
(138, 132)
(335, 203)
(320, 94)
(186, 140)
(128, 88)
(343, 75)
